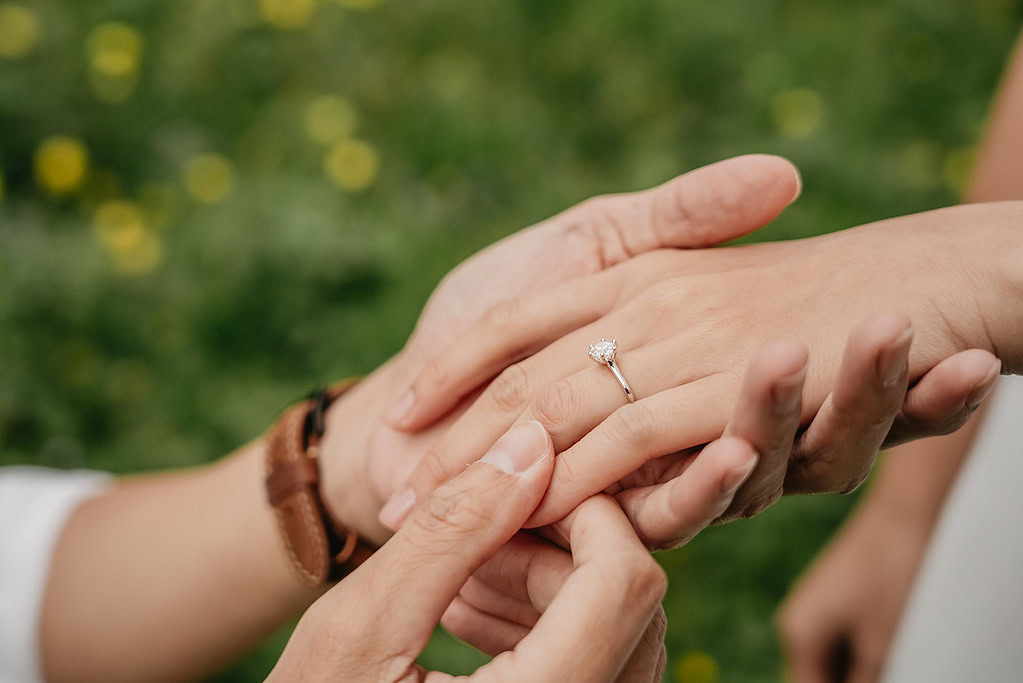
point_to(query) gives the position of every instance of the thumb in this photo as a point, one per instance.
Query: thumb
(454, 531)
(702, 208)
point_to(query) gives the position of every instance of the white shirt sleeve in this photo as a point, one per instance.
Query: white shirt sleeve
(35, 503)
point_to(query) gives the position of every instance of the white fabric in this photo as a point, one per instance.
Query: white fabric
(35, 503)
(964, 621)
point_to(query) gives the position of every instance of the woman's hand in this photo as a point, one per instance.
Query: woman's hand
(598, 617)
(706, 206)
(840, 619)
(687, 321)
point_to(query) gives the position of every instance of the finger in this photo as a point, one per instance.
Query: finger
(485, 632)
(510, 331)
(526, 570)
(579, 395)
(447, 538)
(707, 206)
(588, 632)
(704, 207)
(767, 416)
(838, 449)
(633, 435)
(946, 397)
(647, 661)
(486, 598)
(669, 515)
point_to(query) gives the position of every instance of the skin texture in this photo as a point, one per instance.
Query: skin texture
(852, 597)
(697, 304)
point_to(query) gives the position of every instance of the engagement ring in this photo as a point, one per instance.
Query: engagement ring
(603, 352)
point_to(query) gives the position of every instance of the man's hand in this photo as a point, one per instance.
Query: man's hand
(373, 625)
(701, 208)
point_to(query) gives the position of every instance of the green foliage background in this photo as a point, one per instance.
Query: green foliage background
(486, 116)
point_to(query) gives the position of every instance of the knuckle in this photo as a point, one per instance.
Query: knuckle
(644, 580)
(634, 423)
(556, 404)
(759, 501)
(502, 315)
(436, 375)
(510, 390)
(453, 512)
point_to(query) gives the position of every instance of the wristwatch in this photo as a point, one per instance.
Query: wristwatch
(320, 550)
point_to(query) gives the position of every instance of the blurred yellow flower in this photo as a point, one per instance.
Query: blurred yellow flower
(287, 15)
(119, 224)
(696, 667)
(19, 31)
(351, 164)
(209, 178)
(121, 228)
(61, 163)
(329, 118)
(358, 4)
(115, 51)
(796, 112)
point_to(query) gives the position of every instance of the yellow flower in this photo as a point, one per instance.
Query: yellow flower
(358, 4)
(796, 112)
(351, 164)
(696, 667)
(19, 31)
(61, 164)
(287, 15)
(209, 177)
(329, 118)
(121, 228)
(115, 50)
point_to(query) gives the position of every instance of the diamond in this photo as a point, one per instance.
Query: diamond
(604, 350)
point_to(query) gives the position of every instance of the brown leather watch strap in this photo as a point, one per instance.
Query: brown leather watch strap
(319, 550)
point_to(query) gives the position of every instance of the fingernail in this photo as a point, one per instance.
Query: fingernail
(401, 408)
(519, 449)
(984, 387)
(738, 475)
(786, 396)
(397, 508)
(891, 363)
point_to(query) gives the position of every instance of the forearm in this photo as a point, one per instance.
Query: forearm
(168, 577)
(997, 175)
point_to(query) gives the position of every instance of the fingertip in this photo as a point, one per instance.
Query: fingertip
(781, 361)
(986, 384)
(736, 458)
(883, 329)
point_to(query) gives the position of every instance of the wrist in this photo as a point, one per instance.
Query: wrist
(347, 489)
(1003, 257)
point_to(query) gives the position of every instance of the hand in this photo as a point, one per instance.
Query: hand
(711, 308)
(372, 625)
(839, 621)
(709, 205)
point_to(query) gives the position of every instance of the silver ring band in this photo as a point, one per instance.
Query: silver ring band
(603, 352)
(613, 367)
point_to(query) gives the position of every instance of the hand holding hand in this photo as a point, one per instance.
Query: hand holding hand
(691, 319)
(372, 625)
(706, 206)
